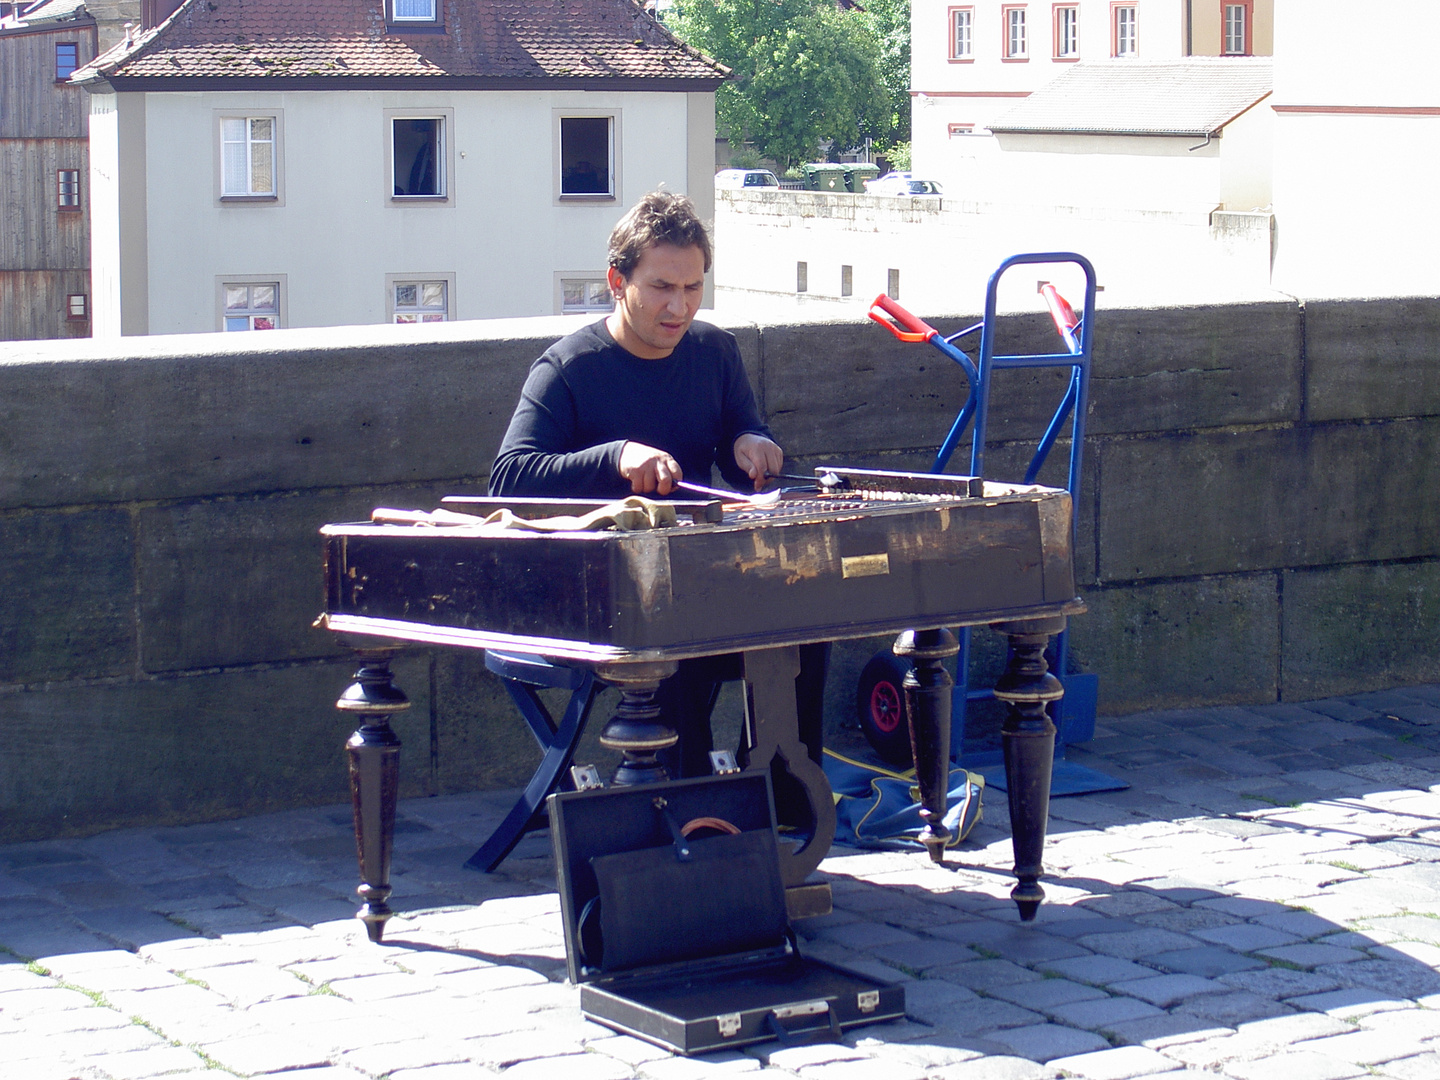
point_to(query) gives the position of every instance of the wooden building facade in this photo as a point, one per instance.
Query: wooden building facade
(45, 180)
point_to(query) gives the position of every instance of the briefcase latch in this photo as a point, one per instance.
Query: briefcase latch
(729, 1024)
(868, 1000)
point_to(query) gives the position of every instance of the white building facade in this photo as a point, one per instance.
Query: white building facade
(1357, 142)
(1340, 156)
(361, 192)
(971, 63)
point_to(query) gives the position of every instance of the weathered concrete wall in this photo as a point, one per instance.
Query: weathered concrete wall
(1259, 522)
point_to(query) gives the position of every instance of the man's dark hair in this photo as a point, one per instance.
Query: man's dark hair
(659, 218)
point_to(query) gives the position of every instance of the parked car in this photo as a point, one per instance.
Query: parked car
(901, 183)
(746, 178)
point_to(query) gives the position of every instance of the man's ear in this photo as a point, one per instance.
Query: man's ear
(616, 281)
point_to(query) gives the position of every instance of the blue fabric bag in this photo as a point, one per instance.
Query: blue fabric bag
(877, 807)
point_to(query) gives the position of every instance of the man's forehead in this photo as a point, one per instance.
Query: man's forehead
(670, 260)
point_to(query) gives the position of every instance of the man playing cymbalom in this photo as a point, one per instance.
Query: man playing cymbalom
(640, 400)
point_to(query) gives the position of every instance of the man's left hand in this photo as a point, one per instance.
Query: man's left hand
(759, 457)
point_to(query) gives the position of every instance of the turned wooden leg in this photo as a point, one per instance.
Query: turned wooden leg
(1027, 687)
(374, 752)
(927, 689)
(636, 729)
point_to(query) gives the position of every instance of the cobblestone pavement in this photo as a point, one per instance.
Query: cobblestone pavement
(1263, 902)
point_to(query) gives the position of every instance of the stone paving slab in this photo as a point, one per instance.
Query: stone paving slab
(1121, 1063)
(1263, 901)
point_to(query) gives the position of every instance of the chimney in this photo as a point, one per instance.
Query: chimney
(154, 12)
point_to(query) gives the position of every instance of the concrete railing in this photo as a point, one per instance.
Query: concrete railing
(1259, 522)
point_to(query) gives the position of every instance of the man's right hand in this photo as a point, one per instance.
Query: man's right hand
(649, 469)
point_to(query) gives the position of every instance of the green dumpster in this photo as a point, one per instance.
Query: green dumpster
(858, 173)
(824, 176)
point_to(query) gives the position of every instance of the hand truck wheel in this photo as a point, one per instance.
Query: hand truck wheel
(880, 708)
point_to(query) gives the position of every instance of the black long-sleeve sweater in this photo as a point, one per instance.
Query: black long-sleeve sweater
(586, 397)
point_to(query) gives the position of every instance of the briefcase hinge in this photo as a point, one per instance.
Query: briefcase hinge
(868, 1000)
(586, 777)
(729, 1024)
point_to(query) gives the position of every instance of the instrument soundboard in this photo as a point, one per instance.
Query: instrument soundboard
(879, 553)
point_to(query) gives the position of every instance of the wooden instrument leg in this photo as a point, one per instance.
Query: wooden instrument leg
(1027, 687)
(927, 689)
(636, 729)
(374, 753)
(774, 732)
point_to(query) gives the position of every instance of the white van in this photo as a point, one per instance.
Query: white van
(746, 178)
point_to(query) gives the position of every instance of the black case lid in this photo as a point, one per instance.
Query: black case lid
(628, 893)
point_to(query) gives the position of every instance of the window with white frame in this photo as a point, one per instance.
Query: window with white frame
(1237, 30)
(67, 189)
(1067, 32)
(1016, 45)
(419, 301)
(1126, 40)
(587, 157)
(413, 11)
(77, 307)
(418, 157)
(962, 33)
(582, 294)
(251, 305)
(248, 157)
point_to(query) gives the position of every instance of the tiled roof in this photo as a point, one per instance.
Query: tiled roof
(1195, 96)
(51, 11)
(344, 40)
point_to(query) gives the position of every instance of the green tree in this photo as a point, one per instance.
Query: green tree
(805, 73)
(891, 22)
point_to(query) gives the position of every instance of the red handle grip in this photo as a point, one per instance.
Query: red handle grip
(1062, 315)
(900, 322)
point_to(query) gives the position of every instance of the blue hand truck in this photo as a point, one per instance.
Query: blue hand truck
(879, 698)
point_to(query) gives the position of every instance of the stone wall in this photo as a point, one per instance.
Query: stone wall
(943, 250)
(1258, 522)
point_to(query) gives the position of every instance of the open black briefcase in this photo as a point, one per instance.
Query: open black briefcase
(675, 922)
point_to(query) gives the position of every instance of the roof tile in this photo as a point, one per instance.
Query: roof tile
(345, 39)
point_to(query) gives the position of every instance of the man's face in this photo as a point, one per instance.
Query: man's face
(655, 305)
